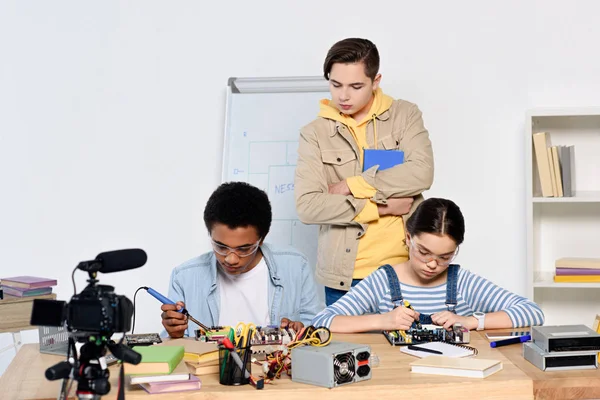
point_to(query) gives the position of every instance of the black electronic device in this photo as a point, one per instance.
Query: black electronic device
(92, 317)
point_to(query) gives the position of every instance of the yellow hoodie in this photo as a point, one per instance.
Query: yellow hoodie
(382, 242)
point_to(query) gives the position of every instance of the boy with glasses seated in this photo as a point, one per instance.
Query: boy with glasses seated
(242, 279)
(439, 292)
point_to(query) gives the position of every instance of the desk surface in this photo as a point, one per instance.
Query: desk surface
(24, 379)
(578, 384)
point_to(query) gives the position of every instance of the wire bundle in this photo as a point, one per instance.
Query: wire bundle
(280, 361)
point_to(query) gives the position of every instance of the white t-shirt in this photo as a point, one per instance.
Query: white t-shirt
(244, 297)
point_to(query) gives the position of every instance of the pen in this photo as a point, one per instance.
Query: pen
(518, 339)
(185, 312)
(413, 347)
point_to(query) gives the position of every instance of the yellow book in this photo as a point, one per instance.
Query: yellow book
(201, 358)
(577, 278)
(541, 141)
(203, 369)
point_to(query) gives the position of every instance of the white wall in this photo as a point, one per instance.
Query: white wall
(111, 115)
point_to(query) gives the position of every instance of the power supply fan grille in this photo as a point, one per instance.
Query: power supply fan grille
(343, 368)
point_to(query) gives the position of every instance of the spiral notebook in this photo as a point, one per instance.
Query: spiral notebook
(447, 349)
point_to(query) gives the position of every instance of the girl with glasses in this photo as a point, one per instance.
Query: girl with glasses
(438, 291)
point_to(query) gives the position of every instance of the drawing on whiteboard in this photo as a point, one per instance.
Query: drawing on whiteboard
(270, 165)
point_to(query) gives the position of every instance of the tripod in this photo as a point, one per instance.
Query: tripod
(90, 371)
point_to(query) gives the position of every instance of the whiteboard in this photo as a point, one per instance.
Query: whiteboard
(262, 126)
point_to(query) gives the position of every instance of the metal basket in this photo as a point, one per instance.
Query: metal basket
(54, 340)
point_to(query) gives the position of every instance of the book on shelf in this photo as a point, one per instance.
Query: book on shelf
(577, 263)
(557, 172)
(566, 159)
(555, 165)
(541, 141)
(552, 172)
(576, 271)
(450, 366)
(577, 278)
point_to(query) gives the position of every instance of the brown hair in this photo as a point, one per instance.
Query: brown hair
(353, 50)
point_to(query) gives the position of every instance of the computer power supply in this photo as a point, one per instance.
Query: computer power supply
(336, 364)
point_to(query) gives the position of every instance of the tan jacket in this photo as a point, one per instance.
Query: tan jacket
(328, 154)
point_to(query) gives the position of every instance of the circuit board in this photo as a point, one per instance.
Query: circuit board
(214, 334)
(458, 335)
(267, 339)
(142, 339)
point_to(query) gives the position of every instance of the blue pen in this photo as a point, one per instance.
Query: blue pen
(166, 300)
(518, 339)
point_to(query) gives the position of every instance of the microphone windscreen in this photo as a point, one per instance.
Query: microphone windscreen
(121, 260)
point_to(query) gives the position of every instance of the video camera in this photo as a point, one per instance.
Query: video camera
(92, 317)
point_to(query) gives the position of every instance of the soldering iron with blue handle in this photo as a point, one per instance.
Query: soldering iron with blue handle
(166, 300)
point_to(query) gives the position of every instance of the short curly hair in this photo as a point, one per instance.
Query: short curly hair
(239, 204)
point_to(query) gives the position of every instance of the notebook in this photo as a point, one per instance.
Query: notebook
(384, 158)
(467, 367)
(447, 349)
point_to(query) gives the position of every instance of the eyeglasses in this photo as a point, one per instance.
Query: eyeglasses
(427, 257)
(241, 252)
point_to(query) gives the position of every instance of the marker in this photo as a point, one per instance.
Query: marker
(413, 347)
(185, 312)
(518, 339)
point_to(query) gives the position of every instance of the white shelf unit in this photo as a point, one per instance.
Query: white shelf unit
(564, 226)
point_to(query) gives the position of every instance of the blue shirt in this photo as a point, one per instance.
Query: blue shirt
(292, 292)
(372, 295)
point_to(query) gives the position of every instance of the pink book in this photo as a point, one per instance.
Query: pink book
(577, 271)
(28, 282)
(174, 386)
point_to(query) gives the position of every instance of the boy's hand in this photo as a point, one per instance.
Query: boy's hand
(174, 322)
(295, 325)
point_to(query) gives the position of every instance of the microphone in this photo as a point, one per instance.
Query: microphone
(115, 261)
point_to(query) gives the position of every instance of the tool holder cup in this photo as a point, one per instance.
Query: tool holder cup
(230, 372)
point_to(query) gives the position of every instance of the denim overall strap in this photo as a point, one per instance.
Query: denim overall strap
(395, 291)
(452, 287)
(451, 294)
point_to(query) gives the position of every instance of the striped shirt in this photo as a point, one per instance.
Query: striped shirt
(474, 293)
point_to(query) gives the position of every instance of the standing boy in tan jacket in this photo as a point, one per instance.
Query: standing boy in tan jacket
(360, 213)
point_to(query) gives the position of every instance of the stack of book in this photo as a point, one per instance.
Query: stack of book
(27, 286)
(577, 270)
(555, 166)
(173, 365)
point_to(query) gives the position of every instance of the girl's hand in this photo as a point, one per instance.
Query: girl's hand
(447, 319)
(400, 318)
